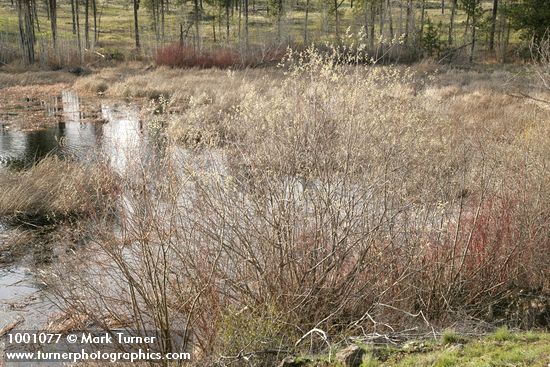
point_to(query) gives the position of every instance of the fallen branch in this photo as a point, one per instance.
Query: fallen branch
(525, 95)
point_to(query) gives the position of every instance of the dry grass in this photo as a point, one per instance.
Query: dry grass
(102, 79)
(12, 78)
(55, 190)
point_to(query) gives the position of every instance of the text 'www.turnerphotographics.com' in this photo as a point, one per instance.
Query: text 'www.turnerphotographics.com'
(112, 346)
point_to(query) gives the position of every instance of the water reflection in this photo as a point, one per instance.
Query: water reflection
(117, 137)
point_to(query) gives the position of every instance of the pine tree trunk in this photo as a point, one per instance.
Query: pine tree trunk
(214, 28)
(381, 18)
(96, 30)
(422, 18)
(306, 22)
(78, 39)
(371, 23)
(390, 18)
(53, 21)
(162, 27)
(407, 22)
(279, 16)
(73, 13)
(366, 26)
(87, 23)
(493, 25)
(337, 21)
(472, 46)
(246, 24)
(35, 15)
(197, 24)
(227, 5)
(451, 23)
(154, 9)
(136, 24)
(47, 6)
(26, 33)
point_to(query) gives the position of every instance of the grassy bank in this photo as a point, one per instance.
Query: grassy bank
(54, 191)
(500, 349)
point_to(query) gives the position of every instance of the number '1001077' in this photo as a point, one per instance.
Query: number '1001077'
(34, 338)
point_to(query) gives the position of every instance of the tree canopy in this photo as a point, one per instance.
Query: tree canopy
(532, 18)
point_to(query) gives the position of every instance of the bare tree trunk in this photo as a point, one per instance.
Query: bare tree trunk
(96, 30)
(382, 18)
(136, 24)
(367, 22)
(306, 22)
(422, 17)
(493, 25)
(220, 6)
(162, 24)
(214, 28)
(451, 23)
(401, 18)
(390, 18)
(77, 17)
(337, 21)
(466, 27)
(35, 15)
(227, 5)
(154, 9)
(197, 24)
(371, 30)
(279, 16)
(246, 24)
(47, 6)
(26, 33)
(407, 21)
(87, 23)
(53, 21)
(472, 47)
(73, 13)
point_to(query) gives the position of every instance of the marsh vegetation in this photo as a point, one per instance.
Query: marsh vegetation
(267, 212)
(290, 209)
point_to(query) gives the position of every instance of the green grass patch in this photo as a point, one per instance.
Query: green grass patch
(503, 348)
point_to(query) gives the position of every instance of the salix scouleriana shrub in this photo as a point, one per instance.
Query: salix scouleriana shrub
(336, 199)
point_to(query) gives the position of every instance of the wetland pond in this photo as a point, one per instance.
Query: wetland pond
(82, 130)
